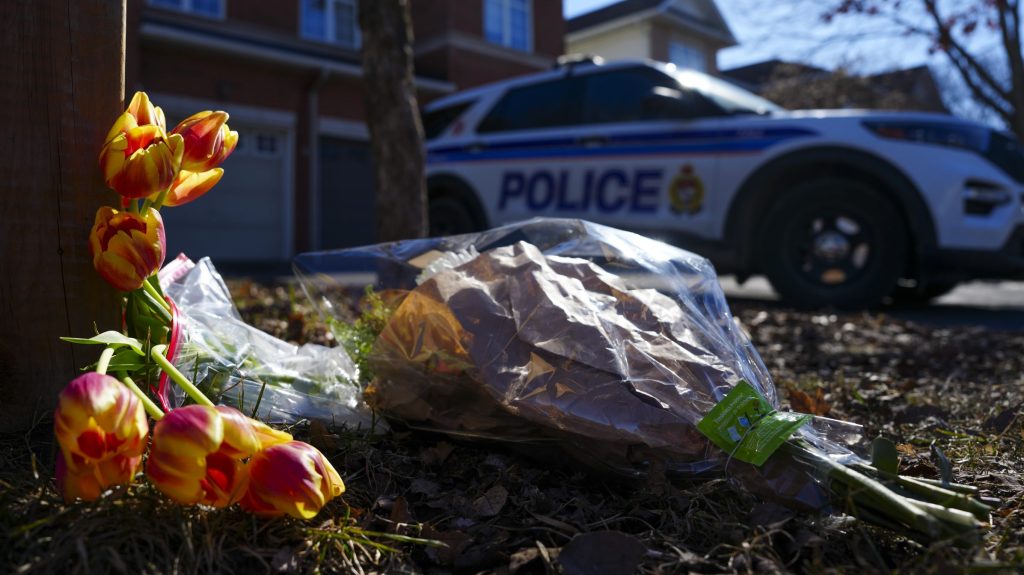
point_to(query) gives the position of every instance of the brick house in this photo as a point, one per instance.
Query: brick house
(687, 33)
(289, 73)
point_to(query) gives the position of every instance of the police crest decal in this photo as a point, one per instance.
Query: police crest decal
(686, 192)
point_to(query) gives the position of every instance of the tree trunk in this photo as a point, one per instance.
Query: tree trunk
(396, 135)
(62, 66)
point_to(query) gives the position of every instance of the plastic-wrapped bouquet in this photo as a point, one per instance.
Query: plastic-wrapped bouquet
(618, 350)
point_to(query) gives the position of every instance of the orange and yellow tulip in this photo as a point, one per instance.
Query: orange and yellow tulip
(145, 112)
(101, 428)
(291, 478)
(127, 247)
(189, 186)
(197, 453)
(140, 160)
(208, 141)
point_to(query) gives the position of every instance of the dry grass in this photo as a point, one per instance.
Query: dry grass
(498, 511)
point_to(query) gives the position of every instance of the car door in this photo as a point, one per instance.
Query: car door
(649, 153)
(512, 160)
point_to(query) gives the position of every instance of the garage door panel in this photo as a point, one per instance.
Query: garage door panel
(243, 218)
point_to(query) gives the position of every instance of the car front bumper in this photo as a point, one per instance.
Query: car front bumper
(961, 264)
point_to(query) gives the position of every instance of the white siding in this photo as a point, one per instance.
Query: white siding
(631, 41)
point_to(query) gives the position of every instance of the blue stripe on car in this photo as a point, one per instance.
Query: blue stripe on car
(636, 144)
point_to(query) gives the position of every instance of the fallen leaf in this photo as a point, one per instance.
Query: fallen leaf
(423, 486)
(1001, 422)
(400, 516)
(523, 557)
(906, 449)
(454, 543)
(602, 553)
(490, 503)
(320, 438)
(437, 454)
(805, 403)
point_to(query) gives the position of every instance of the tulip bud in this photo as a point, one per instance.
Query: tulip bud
(208, 141)
(291, 478)
(197, 454)
(101, 428)
(189, 186)
(140, 160)
(145, 112)
(127, 247)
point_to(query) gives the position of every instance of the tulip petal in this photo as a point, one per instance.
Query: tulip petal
(101, 428)
(190, 431)
(291, 478)
(126, 247)
(189, 186)
(145, 112)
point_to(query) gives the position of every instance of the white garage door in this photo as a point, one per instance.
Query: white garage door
(246, 217)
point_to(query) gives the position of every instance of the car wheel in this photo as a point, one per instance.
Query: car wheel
(449, 216)
(833, 243)
(906, 295)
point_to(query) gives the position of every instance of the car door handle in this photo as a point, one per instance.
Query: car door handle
(592, 141)
(476, 147)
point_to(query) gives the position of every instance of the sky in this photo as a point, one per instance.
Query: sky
(766, 32)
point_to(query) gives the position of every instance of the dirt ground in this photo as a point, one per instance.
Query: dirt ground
(496, 510)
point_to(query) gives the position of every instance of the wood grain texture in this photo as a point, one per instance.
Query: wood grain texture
(62, 70)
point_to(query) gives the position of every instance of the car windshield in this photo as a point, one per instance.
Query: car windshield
(732, 99)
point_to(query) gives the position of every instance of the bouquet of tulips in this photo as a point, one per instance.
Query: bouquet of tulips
(198, 453)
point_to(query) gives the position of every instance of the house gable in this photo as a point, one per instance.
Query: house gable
(689, 32)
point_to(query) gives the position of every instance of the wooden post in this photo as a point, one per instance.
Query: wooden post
(63, 86)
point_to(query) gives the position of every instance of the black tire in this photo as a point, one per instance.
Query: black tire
(907, 295)
(449, 216)
(833, 242)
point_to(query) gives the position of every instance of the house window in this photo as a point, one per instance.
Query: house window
(334, 21)
(509, 23)
(208, 8)
(688, 56)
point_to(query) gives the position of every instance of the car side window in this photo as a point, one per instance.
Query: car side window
(640, 94)
(544, 105)
(437, 121)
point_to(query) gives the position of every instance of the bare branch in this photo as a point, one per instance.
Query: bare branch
(950, 45)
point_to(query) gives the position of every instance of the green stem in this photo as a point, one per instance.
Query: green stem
(151, 290)
(896, 507)
(159, 202)
(933, 493)
(158, 356)
(147, 403)
(104, 361)
(158, 306)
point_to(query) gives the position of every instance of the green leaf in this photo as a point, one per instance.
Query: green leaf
(126, 360)
(884, 456)
(942, 462)
(111, 338)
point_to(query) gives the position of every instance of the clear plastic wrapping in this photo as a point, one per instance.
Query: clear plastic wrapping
(240, 365)
(568, 335)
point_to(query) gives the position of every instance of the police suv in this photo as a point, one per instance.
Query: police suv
(837, 208)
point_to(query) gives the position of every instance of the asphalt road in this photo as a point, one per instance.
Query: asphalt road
(996, 305)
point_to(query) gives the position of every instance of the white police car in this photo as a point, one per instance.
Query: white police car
(835, 207)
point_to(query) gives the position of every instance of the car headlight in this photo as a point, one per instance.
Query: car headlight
(939, 134)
